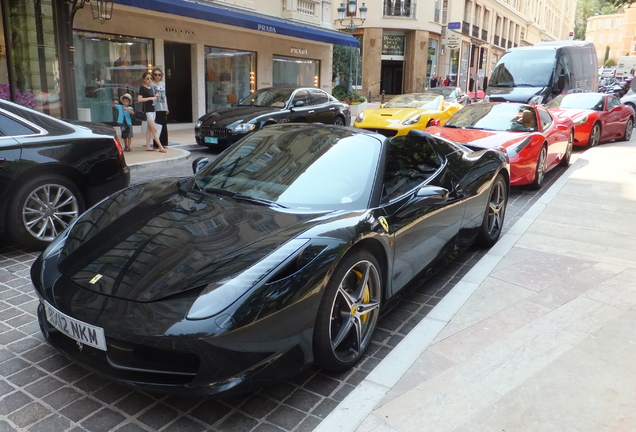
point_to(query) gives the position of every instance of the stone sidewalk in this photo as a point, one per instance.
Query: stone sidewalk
(538, 336)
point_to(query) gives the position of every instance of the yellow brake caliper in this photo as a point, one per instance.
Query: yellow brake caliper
(366, 296)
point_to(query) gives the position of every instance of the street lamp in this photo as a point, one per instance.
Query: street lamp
(350, 11)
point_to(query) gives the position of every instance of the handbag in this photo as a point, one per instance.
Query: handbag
(141, 115)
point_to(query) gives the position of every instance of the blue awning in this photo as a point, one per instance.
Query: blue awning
(252, 21)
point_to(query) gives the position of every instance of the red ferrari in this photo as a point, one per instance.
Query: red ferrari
(597, 117)
(535, 140)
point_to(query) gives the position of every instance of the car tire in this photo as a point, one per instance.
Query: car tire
(539, 172)
(629, 127)
(565, 160)
(495, 213)
(339, 121)
(348, 312)
(42, 208)
(595, 136)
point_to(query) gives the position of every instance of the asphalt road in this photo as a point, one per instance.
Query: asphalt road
(42, 391)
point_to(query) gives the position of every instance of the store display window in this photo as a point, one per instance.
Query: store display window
(230, 76)
(107, 67)
(292, 71)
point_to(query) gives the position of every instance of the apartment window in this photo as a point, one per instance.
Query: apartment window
(399, 8)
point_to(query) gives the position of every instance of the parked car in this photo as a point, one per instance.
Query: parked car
(51, 171)
(597, 117)
(219, 129)
(630, 98)
(405, 112)
(280, 253)
(535, 140)
(606, 72)
(451, 94)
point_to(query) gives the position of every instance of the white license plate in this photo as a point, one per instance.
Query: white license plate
(211, 140)
(75, 329)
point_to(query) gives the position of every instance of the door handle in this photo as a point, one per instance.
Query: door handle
(311, 112)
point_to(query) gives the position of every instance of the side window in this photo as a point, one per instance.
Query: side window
(11, 127)
(410, 162)
(613, 103)
(301, 96)
(546, 118)
(318, 97)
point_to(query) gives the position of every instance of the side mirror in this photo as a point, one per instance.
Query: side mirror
(199, 163)
(382, 105)
(433, 193)
(434, 122)
(299, 104)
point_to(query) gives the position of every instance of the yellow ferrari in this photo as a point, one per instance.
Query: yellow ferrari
(406, 112)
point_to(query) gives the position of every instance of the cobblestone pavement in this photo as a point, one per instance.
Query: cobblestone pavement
(42, 391)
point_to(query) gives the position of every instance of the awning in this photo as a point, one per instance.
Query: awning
(252, 21)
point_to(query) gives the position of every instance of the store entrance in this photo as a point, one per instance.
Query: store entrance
(392, 71)
(178, 82)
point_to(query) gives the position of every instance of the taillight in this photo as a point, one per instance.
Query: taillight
(121, 161)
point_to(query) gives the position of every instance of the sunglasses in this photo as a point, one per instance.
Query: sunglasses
(157, 74)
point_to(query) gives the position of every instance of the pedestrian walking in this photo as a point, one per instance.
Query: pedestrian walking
(148, 97)
(124, 118)
(158, 86)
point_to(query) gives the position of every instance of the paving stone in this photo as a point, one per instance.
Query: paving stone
(103, 420)
(29, 414)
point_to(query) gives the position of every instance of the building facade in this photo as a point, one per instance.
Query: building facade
(613, 35)
(405, 43)
(213, 53)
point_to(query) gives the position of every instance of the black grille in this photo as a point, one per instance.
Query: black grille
(216, 131)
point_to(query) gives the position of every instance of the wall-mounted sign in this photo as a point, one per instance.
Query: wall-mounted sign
(454, 25)
(266, 28)
(393, 45)
(179, 33)
(453, 40)
(299, 51)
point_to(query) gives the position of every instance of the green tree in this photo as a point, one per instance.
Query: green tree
(587, 8)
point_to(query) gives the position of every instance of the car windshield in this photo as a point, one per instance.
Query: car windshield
(305, 167)
(270, 97)
(496, 117)
(524, 68)
(418, 101)
(586, 101)
(444, 91)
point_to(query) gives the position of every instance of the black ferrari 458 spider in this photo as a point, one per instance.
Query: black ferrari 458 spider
(279, 254)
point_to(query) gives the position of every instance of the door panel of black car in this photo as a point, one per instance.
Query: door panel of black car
(324, 111)
(424, 227)
(10, 154)
(302, 113)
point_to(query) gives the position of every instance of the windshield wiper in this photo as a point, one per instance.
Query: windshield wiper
(260, 201)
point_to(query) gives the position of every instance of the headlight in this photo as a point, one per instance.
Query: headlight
(244, 127)
(360, 117)
(514, 150)
(220, 295)
(535, 100)
(412, 120)
(580, 121)
(198, 124)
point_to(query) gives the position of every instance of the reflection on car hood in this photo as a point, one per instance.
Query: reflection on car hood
(479, 138)
(230, 115)
(98, 128)
(513, 94)
(153, 241)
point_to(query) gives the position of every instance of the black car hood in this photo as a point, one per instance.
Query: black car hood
(153, 241)
(231, 115)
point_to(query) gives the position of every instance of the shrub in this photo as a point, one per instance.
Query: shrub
(341, 93)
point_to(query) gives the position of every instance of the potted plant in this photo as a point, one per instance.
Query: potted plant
(357, 103)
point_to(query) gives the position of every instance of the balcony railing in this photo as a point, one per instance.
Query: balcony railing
(306, 8)
(400, 8)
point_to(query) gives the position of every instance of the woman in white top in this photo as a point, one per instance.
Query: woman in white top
(161, 105)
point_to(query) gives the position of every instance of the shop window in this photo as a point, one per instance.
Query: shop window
(107, 67)
(292, 71)
(229, 77)
(31, 46)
